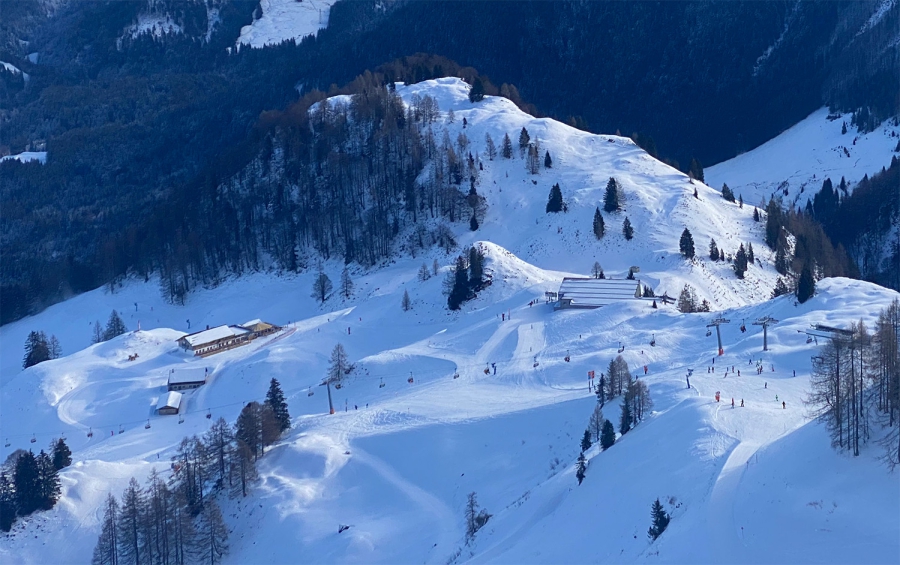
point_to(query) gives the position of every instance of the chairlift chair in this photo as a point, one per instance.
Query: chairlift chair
(337, 386)
(90, 433)
(310, 392)
(410, 380)
(7, 444)
(456, 375)
(208, 415)
(708, 333)
(809, 339)
(381, 384)
(33, 439)
(121, 429)
(181, 418)
(147, 425)
(567, 356)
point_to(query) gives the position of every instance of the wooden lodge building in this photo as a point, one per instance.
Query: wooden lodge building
(169, 403)
(187, 379)
(589, 293)
(223, 338)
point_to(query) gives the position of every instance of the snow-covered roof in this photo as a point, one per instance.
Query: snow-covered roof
(192, 375)
(252, 323)
(169, 400)
(597, 292)
(214, 334)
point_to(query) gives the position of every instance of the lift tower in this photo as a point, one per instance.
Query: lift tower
(765, 322)
(718, 322)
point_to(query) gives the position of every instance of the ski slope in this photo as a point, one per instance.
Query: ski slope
(744, 485)
(800, 159)
(283, 20)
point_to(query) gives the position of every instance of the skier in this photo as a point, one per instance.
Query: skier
(739, 372)
(742, 403)
(783, 405)
(494, 366)
(795, 372)
(766, 385)
(776, 398)
(732, 402)
(503, 317)
(645, 369)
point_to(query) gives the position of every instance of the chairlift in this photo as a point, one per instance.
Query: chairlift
(147, 425)
(410, 380)
(121, 429)
(809, 339)
(33, 439)
(653, 341)
(567, 356)
(181, 418)
(381, 384)
(62, 436)
(708, 333)
(456, 375)
(743, 327)
(90, 433)
(337, 386)
(7, 443)
(535, 365)
(208, 415)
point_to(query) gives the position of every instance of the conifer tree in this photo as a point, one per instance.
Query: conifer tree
(806, 286)
(660, 520)
(696, 170)
(627, 230)
(625, 417)
(275, 400)
(212, 534)
(555, 200)
(106, 552)
(727, 194)
(506, 149)
(607, 435)
(489, 148)
(630, 275)
(755, 214)
(473, 222)
(130, 522)
(599, 226)
(597, 271)
(713, 250)
(97, 332)
(48, 479)
(780, 288)
(346, 283)
(26, 481)
(62, 455)
(611, 196)
(435, 268)
(686, 244)
(740, 262)
(524, 140)
(721, 254)
(7, 502)
(741, 201)
(586, 441)
(476, 268)
(405, 302)
(476, 93)
(460, 289)
(114, 326)
(548, 162)
(424, 273)
(595, 423)
(37, 349)
(750, 258)
(580, 468)
(54, 347)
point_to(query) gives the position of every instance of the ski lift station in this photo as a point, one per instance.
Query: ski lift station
(187, 378)
(222, 338)
(589, 293)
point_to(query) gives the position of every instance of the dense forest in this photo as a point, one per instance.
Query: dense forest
(147, 132)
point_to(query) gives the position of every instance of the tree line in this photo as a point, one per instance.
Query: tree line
(29, 482)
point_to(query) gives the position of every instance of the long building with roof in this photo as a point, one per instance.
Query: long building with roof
(588, 293)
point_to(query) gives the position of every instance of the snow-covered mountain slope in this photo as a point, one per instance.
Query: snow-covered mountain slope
(282, 20)
(396, 463)
(801, 158)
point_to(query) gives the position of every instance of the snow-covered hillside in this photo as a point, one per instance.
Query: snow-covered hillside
(752, 484)
(282, 20)
(793, 165)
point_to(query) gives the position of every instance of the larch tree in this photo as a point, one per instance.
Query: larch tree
(346, 283)
(106, 552)
(405, 303)
(212, 535)
(321, 287)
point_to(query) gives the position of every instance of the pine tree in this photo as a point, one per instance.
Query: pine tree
(473, 222)
(346, 283)
(405, 302)
(321, 287)
(713, 250)
(721, 254)
(424, 273)
(62, 455)
(580, 468)
(625, 417)
(686, 244)
(48, 479)
(611, 196)
(275, 400)
(114, 326)
(741, 201)
(524, 140)
(599, 226)
(586, 440)
(7, 502)
(727, 193)
(597, 271)
(548, 162)
(687, 301)
(806, 286)
(696, 170)
(755, 214)
(435, 268)
(54, 348)
(750, 257)
(740, 262)
(490, 148)
(607, 435)
(627, 230)
(219, 442)
(212, 534)
(630, 275)
(555, 200)
(26, 480)
(106, 552)
(660, 520)
(476, 93)
(460, 289)
(130, 518)
(97, 332)
(451, 116)
(476, 268)
(506, 149)
(780, 288)
(36, 349)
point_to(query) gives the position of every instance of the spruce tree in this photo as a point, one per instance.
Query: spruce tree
(727, 194)
(741, 201)
(524, 140)
(696, 170)
(476, 268)
(473, 222)
(405, 302)
(114, 326)
(26, 481)
(599, 226)
(62, 455)
(611, 196)
(755, 214)
(7, 502)
(275, 400)
(806, 286)
(686, 244)
(713, 250)
(130, 524)
(48, 479)
(740, 262)
(627, 230)
(476, 93)
(548, 162)
(506, 149)
(660, 520)
(721, 254)
(37, 349)
(780, 288)
(625, 418)
(459, 291)
(750, 258)
(555, 200)
(586, 440)
(580, 468)
(607, 435)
